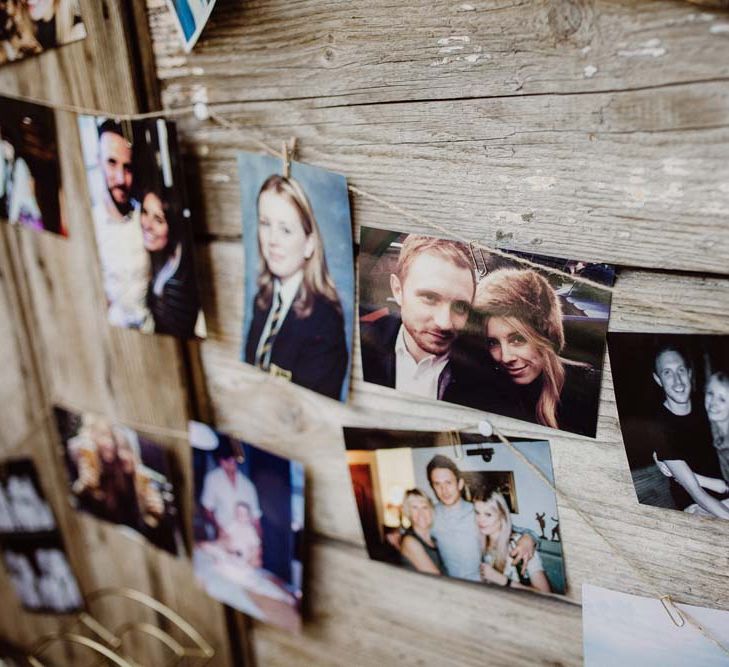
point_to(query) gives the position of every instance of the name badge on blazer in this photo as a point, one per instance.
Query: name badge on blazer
(279, 372)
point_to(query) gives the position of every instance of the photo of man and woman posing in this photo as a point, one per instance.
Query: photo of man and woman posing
(29, 27)
(30, 175)
(142, 225)
(442, 321)
(299, 270)
(119, 476)
(248, 526)
(672, 394)
(480, 518)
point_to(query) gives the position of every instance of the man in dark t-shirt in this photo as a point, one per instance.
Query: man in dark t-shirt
(682, 437)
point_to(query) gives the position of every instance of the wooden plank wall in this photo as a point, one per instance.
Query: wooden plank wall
(595, 129)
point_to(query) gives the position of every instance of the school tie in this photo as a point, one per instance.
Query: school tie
(264, 356)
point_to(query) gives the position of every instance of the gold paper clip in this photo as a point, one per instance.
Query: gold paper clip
(673, 611)
(288, 152)
(482, 269)
(71, 638)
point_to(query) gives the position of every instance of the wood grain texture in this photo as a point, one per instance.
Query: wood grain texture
(586, 129)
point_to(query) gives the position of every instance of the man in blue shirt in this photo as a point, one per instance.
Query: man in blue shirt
(454, 527)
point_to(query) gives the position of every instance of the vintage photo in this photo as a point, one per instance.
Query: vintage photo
(672, 394)
(623, 629)
(458, 505)
(29, 27)
(299, 287)
(142, 225)
(30, 173)
(441, 320)
(31, 546)
(248, 527)
(120, 476)
(191, 17)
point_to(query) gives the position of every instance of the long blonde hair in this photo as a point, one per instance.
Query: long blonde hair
(316, 281)
(529, 304)
(498, 547)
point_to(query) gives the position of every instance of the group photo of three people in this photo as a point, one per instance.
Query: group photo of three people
(481, 519)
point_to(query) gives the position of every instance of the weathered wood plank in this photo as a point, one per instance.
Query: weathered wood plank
(635, 178)
(335, 53)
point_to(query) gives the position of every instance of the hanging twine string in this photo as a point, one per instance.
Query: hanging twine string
(240, 132)
(677, 616)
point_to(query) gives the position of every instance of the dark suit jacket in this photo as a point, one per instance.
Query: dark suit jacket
(313, 350)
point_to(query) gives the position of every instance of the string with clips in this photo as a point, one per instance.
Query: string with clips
(203, 112)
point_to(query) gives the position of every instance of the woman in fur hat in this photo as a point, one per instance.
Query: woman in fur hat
(522, 323)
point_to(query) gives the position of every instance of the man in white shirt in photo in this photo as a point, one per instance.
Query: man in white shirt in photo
(124, 261)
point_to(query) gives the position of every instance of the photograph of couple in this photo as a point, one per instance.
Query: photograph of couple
(299, 273)
(465, 508)
(672, 394)
(248, 527)
(32, 548)
(30, 173)
(142, 225)
(441, 320)
(29, 27)
(119, 476)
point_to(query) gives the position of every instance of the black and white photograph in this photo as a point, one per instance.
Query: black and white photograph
(122, 477)
(30, 27)
(623, 629)
(31, 194)
(299, 282)
(442, 320)
(672, 394)
(191, 17)
(142, 225)
(248, 526)
(32, 547)
(458, 505)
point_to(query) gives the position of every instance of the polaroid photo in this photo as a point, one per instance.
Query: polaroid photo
(299, 273)
(31, 547)
(440, 320)
(623, 629)
(30, 173)
(458, 505)
(142, 225)
(672, 394)
(119, 476)
(191, 17)
(30, 27)
(248, 527)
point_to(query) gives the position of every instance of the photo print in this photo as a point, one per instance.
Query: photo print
(299, 275)
(142, 225)
(122, 477)
(623, 629)
(248, 527)
(31, 545)
(672, 394)
(191, 17)
(30, 173)
(30, 27)
(440, 320)
(458, 505)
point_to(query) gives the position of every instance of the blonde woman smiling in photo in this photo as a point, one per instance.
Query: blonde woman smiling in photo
(419, 548)
(297, 330)
(493, 520)
(522, 324)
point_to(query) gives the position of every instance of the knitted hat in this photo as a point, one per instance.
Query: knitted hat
(524, 295)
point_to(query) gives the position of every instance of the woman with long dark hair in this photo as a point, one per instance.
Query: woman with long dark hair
(297, 329)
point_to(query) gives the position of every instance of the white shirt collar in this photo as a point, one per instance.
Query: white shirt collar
(288, 290)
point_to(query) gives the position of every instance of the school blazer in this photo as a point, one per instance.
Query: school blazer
(310, 351)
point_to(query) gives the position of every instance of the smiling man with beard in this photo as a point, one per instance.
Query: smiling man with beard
(433, 285)
(124, 261)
